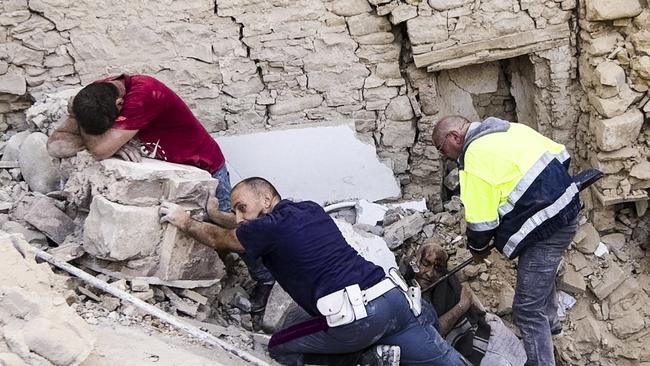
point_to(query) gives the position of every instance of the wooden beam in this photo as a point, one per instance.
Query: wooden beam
(496, 48)
(613, 200)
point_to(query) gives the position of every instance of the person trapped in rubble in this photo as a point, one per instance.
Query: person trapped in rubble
(481, 337)
(351, 302)
(127, 115)
(517, 191)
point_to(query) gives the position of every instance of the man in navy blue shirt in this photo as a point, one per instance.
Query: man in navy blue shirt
(306, 253)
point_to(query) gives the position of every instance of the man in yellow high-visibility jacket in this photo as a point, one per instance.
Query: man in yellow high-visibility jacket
(517, 191)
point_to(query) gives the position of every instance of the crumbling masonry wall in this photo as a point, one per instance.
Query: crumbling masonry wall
(392, 67)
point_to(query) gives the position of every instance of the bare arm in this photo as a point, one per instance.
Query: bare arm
(221, 218)
(206, 233)
(107, 144)
(447, 320)
(66, 140)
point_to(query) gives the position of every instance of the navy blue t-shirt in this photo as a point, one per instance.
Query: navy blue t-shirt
(306, 253)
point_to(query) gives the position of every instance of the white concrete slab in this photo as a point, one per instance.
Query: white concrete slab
(322, 164)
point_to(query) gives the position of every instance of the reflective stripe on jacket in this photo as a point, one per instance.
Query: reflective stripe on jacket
(515, 186)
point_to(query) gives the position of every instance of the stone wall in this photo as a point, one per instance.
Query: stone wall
(615, 74)
(391, 66)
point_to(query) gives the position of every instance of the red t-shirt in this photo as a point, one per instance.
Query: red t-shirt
(165, 124)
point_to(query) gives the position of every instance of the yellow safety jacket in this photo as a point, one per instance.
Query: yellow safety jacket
(515, 186)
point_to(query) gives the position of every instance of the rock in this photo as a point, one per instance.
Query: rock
(348, 8)
(139, 285)
(289, 105)
(631, 323)
(609, 10)
(12, 148)
(399, 134)
(187, 307)
(616, 240)
(38, 168)
(572, 282)
(641, 42)
(67, 252)
(241, 302)
(371, 247)
(587, 333)
(276, 308)
(610, 73)
(442, 5)
(587, 238)
(609, 281)
(13, 83)
(396, 233)
(427, 29)
(363, 24)
(402, 13)
(452, 180)
(31, 236)
(36, 320)
(110, 303)
(118, 232)
(505, 298)
(641, 170)
(194, 296)
(399, 109)
(46, 217)
(376, 38)
(617, 105)
(615, 133)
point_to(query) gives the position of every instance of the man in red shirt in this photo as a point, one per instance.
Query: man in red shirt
(127, 115)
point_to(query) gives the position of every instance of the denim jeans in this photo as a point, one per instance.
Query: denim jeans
(256, 268)
(389, 322)
(535, 303)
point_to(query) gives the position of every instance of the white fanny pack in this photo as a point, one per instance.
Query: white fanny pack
(349, 304)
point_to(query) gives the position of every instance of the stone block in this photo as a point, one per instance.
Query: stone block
(431, 29)
(396, 233)
(398, 134)
(610, 280)
(629, 324)
(399, 109)
(587, 239)
(505, 298)
(609, 10)
(641, 170)
(31, 236)
(641, 42)
(572, 282)
(441, 5)
(11, 151)
(38, 168)
(182, 257)
(603, 44)
(617, 132)
(46, 217)
(610, 73)
(287, 105)
(348, 8)
(363, 24)
(376, 38)
(117, 232)
(13, 83)
(617, 105)
(402, 13)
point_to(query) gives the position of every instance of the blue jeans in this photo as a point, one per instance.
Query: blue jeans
(390, 322)
(256, 268)
(535, 303)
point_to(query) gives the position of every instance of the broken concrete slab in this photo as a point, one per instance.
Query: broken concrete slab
(406, 227)
(38, 168)
(113, 231)
(346, 167)
(46, 217)
(371, 247)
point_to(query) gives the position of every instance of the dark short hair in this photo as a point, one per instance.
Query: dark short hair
(94, 107)
(258, 185)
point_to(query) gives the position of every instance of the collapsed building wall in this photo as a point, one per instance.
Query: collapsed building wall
(391, 67)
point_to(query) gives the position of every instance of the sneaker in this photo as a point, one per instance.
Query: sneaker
(260, 296)
(381, 355)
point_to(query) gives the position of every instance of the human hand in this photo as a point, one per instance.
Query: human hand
(212, 204)
(466, 298)
(130, 152)
(174, 214)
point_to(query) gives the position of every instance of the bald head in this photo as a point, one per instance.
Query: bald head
(259, 186)
(449, 135)
(253, 197)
